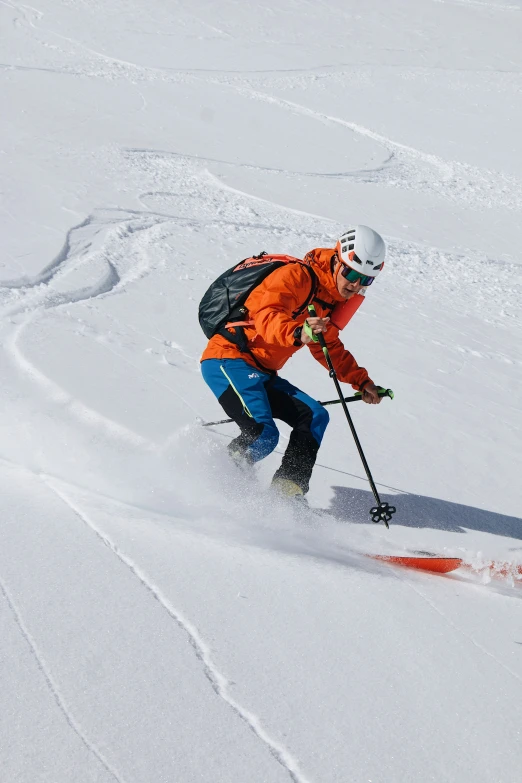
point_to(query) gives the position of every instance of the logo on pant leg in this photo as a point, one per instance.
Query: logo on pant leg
(254, 375)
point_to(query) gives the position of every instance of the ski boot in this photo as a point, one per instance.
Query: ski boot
(289, 490)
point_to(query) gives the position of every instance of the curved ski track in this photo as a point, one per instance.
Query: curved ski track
(53, 687)
(99, 240)
(202, 651)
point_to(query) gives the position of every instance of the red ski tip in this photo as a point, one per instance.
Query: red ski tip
(436, 565)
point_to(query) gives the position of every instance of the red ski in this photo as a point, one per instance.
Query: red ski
(436, 565)
(443, 565)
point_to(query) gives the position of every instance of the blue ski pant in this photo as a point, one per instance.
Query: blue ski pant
(253, 399)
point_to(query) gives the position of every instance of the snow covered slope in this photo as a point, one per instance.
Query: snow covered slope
(160, 618)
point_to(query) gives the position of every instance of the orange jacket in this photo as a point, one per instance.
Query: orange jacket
(270, 307)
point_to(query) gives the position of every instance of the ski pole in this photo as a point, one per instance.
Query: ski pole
(382, 512)
(358, 396)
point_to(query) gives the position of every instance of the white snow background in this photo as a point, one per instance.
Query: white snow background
(161, 619)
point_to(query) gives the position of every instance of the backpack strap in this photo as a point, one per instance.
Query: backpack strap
(237, 336)
(313, 288)
(327, 305)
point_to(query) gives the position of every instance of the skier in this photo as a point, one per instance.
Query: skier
(243, 374)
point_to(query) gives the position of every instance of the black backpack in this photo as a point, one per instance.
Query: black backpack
(224, 301)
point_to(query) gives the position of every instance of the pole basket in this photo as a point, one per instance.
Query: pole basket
(382, 513)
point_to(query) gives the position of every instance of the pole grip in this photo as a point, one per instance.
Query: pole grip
(322, 343)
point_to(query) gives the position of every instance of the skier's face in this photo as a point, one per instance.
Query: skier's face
(346, 288)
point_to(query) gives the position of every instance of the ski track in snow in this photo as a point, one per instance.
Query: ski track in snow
(54, 689)
(424, 264)
(60, 397)
(31, 297)
(217, 680)
(98, 65)
(103, 228)
(456, 181)
(51, 269)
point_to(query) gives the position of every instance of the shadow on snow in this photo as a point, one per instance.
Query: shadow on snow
(353, 505)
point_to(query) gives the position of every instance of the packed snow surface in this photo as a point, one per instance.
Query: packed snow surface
(162, 617)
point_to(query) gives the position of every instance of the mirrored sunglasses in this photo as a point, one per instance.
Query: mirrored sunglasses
(352, 275)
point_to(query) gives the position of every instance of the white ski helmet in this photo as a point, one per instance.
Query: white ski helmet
(363, 249)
